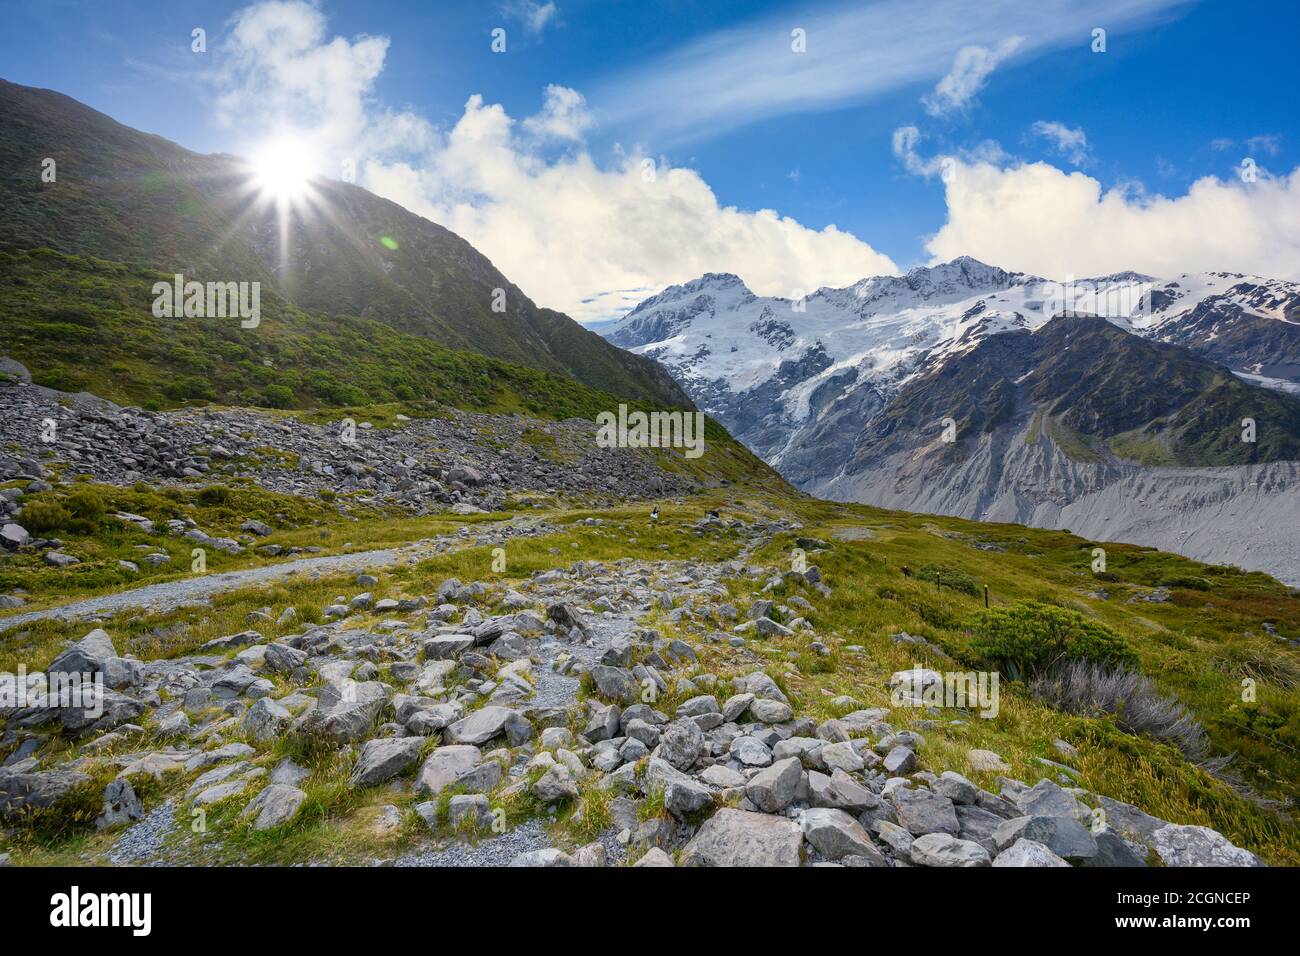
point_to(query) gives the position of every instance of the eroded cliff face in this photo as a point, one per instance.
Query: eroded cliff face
(1247, 515)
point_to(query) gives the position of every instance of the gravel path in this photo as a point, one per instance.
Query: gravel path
(559, 690)
(170, 595)
(143, 843)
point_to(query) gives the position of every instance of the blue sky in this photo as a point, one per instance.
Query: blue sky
(1183, 91)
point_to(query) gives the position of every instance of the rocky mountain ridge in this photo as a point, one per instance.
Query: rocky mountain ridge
(828, 390)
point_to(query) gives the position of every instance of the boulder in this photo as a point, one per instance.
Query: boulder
(275, 805)
(441, 768)
(773, 788)
(921, 812)
(1064, 836)
(384, 758)
(266, 719)
(681, 743)
(555, 785)
(121, 805)
(87, 656)
(741, 838)
(835, 834)
(489, 722)
(942, 849)
(1028, 853)
(346, 711)
(1199, 846)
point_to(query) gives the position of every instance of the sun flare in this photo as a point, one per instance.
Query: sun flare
(282, 171)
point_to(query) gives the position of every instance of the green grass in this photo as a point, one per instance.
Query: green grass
(81, 323)
(334, 527)
(1199, 646)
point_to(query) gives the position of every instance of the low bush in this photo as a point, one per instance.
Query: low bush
(214, 495)
(949, 578)
(1093, 690)
(1030, 638)
(42, 517)
(86, 504)
(1189, 582)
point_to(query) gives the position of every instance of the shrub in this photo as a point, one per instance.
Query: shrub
(42, 517)
(214, 495)
(1093, 690)
(86, 504)
(278, 396)
(1189, 582)
(1031, 638)
(949, 578)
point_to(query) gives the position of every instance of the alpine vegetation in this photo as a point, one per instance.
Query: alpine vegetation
(211, 300)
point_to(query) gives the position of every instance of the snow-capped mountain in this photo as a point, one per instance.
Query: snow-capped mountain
(814, 385)
(768, 367)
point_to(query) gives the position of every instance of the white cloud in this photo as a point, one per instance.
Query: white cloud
(534, 16)
(855, 51)
(1036, 218)
(573, 233)
(279, 76)
(567, 231)
(970, 71)
(1070, 143)
(1268, 144)
(564, 115)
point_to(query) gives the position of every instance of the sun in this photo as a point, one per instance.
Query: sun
(282, 171)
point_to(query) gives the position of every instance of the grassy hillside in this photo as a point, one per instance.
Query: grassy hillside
(124, 195)
(80, 323)
(1199, 646)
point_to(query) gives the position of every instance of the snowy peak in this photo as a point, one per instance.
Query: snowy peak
(782, 374)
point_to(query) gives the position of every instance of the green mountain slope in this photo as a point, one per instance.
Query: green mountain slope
(126, 196)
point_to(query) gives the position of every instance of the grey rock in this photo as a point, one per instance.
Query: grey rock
(741, 838)
(681, 744)
(900, 761)
(469, 810)
(555, 785)
(1114, 851)
(266, 719)
(548, 857)
(1028, 853)
(942, 849)
(835, 834)
(441, 768)
(773, 788)
(276, 804)
(489, 722)
(1064, 836)
(384, 758)
(1199, 846)
(121, 805)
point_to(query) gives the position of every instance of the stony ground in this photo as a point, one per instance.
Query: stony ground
(545, 722)
(463, 460)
